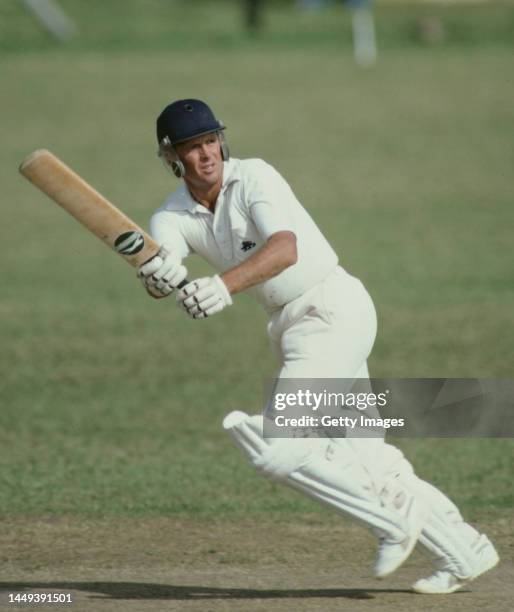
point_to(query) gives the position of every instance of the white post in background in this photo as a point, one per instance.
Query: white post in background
(53, 18)
(363, 31)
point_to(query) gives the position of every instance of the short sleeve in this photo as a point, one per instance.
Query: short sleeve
(270, 219)
(165, 229)
(270, 201)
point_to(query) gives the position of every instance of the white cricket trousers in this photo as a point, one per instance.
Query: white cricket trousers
(327, 332)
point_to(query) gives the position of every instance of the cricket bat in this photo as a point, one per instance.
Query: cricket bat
(70, 191)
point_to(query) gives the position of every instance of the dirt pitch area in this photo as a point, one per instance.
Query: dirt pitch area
(320, 564)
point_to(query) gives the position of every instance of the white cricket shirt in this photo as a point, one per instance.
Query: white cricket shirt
(254, 203)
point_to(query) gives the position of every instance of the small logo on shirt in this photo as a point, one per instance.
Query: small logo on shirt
(246, 245)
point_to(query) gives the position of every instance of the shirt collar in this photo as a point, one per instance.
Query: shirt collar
(231, 173)
(183, 200)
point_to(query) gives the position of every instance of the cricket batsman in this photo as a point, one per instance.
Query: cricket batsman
(243, 218)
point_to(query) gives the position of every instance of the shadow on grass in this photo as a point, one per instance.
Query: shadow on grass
(141, 590)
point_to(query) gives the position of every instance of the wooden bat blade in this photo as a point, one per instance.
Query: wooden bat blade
(59, 182)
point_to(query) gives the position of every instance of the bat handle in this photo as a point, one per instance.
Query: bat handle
(182, 284)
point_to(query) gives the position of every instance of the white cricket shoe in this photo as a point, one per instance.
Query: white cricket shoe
(392, 554)
(445, 581)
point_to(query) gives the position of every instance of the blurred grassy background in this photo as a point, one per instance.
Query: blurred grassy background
(112, 403)
(132, 25)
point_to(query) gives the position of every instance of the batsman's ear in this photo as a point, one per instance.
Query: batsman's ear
(178, 168)
(170, 158)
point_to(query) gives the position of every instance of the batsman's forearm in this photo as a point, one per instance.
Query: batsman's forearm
(276, 255)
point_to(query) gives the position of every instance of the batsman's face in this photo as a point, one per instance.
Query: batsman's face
(202, 159)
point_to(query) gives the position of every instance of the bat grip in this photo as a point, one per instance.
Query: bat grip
(182, 284)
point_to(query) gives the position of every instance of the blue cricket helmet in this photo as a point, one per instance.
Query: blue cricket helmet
(186, 119)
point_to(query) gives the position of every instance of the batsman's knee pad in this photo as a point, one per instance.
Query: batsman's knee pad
(282, 457)
(275, 459)
(330, 473)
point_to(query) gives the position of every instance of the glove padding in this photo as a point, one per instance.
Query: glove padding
(204, 297)
(162, 274)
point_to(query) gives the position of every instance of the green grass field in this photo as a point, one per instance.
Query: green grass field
(129, 25)
(112, 403)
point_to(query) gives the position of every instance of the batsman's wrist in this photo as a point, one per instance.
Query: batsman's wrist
(223, 289)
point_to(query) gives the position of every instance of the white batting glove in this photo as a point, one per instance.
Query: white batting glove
(162, 274)
(204, 297)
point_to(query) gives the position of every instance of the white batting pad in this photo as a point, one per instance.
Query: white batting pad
(328, 473)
